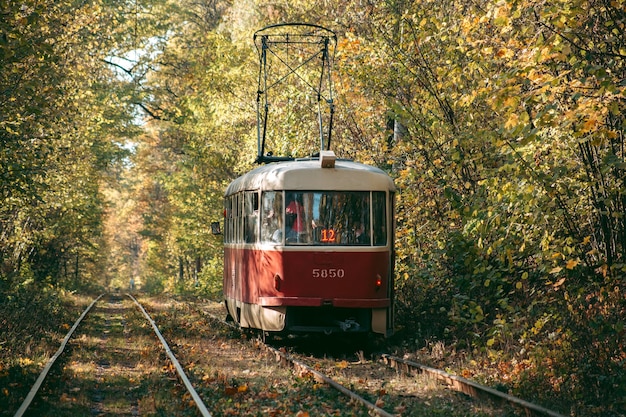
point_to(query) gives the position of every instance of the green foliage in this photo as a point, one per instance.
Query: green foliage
(506, 135)
(503, 126)
(56, 138)
(501, 122)
(153, 284)
(197, 123)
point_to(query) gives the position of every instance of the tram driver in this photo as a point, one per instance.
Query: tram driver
(295, 219)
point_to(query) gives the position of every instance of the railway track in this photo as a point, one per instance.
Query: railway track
(405, 401)
(379, 397)
(100, 324)
(466, 386)
(234, 375)
(385, 392)
(102, 369)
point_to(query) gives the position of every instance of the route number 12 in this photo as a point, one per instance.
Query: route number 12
(328, 236)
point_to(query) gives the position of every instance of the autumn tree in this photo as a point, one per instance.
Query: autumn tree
(196, 125)
(59, 131)
(509, 159)
(502, 124)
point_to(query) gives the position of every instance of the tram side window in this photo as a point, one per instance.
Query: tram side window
(251, 216)
(239, 218)
(232, 218)
(379, 211)
(228, 215)
(236, 219)
(271, 217)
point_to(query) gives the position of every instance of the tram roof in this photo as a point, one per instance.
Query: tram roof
(308, 175)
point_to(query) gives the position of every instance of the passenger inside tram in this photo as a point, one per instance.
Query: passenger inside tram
(295, 220)
(272, 226)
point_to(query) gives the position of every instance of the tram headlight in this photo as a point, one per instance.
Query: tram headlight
(277, 282)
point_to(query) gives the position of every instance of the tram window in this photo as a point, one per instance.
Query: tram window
(271, 217)
(231, 219)
(379, 223)
(240, 218)
(251, 211)
(234, 229)
(228, 214)
(297, 228)
(237, 235)
(329, 218)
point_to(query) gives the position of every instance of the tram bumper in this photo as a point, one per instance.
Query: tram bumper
(337, 315)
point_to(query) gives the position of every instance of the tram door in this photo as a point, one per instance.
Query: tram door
(233, 258)
(392, 262)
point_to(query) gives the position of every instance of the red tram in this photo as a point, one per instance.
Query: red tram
(308, 247)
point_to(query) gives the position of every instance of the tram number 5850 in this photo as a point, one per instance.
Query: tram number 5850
(328, 273)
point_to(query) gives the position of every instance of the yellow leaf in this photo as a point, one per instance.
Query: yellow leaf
(586, 240)
(242, 388)
(518, 285)
(302, 414)
(512, 121)
(556, 270)
(559, 283)
(511, 101)
(504, 53)
(571, 264)
(342, 365)
(604, 269)
(26, 361)
(589, 125)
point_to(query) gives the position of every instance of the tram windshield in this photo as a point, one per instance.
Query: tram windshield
(355, 218)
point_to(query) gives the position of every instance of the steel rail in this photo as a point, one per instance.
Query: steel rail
(455, 382)
(468, 387)
(42, 376)
(318, 375)
(323, 378)
(179, 369)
